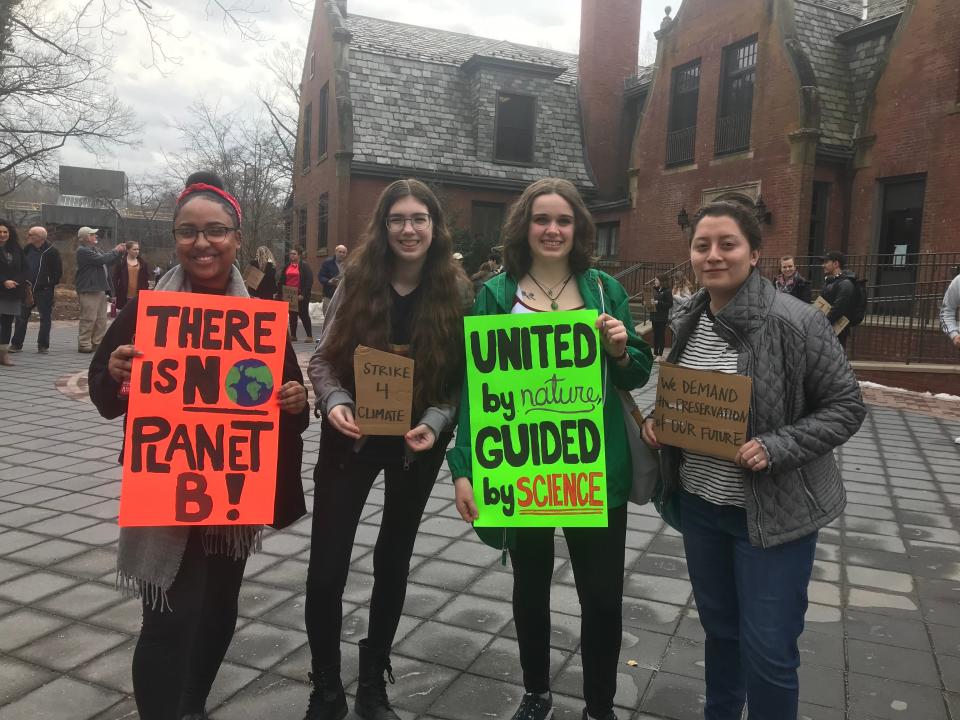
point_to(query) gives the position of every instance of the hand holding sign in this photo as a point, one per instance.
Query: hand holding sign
(384, 383)
(701, 410)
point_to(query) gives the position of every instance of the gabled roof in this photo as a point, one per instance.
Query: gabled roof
(421, 102)
(843, 70)
(444, 47)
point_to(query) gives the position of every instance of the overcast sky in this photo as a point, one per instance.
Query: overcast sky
(216, 65)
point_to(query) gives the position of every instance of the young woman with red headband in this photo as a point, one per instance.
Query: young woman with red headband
(189, 577)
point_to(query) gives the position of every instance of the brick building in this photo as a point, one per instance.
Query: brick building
(843, 116)
(478, 118)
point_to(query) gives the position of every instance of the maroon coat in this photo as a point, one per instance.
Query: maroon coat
(119, 277)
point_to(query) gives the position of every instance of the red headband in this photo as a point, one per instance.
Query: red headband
(203, 187)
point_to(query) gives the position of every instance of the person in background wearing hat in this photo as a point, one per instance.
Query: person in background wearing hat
(839, 289)
(92, 283)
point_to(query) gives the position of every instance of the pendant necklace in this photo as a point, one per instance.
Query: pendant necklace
(548, 293)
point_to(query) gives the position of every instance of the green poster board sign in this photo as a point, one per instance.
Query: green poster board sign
(536, 419)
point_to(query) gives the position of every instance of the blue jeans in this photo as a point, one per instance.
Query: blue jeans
(43, 298)
(751, 603)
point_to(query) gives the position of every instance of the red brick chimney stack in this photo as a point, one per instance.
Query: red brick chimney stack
(609, 45)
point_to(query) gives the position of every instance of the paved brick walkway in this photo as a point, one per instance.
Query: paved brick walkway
(882, 638)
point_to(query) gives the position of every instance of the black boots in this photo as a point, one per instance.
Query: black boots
(372, 703)
(327, 701)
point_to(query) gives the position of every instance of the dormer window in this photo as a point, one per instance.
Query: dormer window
(515, 123)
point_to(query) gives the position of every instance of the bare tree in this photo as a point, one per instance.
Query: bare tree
(55, 69)
(54, 87)
(281, 101)
(246, 152)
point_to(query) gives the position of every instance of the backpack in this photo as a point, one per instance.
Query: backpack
(859, 309)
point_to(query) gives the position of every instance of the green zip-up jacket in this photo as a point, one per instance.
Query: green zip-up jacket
(495, 298)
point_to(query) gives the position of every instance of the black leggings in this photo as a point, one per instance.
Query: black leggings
(304, 315)
(597, 556)
(342, 481)
(659, 336)
(179, 652)
(6, 328)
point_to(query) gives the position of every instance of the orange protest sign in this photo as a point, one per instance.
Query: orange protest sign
(203, 419)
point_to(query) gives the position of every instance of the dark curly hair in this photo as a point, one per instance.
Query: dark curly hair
(516, 246)
(743, 216)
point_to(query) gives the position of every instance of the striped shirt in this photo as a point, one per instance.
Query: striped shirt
(717, 481)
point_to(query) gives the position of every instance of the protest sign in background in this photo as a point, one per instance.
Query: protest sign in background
(702, 410)
(384, 391)
(536, 419)
(203, 418)
(290, 295)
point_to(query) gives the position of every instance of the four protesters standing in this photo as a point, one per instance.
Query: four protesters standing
(749, 526)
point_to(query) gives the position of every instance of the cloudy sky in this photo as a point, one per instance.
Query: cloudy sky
(213, 63)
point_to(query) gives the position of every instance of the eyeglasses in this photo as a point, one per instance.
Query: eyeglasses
(396, 223)
(215, 234)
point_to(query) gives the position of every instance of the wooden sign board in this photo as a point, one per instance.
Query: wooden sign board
(703, 411)
(384, 391)
(290, 295)
(825, 307)
(252, 277)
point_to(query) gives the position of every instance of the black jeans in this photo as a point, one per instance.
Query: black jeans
(343, 479)
(304, 315)
(596, 555)
(6, 327)
(43, 299)
(659, 336)
(179, 652)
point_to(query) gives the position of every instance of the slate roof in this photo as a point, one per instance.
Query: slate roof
(843, 71)
(415, 107)
(448, 48)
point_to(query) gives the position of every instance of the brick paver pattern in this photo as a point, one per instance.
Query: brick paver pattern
(882, 636)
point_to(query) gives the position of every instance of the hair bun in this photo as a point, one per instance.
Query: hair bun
(206, 177)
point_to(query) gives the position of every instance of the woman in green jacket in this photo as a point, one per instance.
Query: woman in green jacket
(547, 244)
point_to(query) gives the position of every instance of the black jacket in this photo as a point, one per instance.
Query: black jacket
(104, 391)
(49, 265)
(841, 292)
(267, 289)
(12, 267)
(805, 402)
(801, 289)
(306, 279)
(663, 301)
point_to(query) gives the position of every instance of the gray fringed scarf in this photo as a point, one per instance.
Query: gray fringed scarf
(148, 558)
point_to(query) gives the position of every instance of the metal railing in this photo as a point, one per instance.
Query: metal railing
(732, 133)
(680, 146)
(904, 295)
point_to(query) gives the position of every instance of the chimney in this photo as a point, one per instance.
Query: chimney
(609, 46)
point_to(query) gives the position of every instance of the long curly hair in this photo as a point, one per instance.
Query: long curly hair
(516, 245)
(363, 317)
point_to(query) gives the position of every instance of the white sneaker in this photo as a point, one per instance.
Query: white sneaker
(957, 440)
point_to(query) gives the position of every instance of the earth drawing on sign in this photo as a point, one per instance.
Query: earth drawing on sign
(249, 383)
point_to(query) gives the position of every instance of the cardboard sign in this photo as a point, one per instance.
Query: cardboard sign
(703, 411)
(203, 418)
(384, 388)
(252, 277)
(825, 307)
(536, 419)
(290, 295)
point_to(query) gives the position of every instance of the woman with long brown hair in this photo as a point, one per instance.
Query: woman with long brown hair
(130, 275)
(403, 292)
(547, 256)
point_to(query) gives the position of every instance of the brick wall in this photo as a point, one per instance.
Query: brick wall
(320, 174)
(660, 192)
(916, 125)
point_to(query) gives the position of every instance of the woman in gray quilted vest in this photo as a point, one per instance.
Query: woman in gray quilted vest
(750, 525)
